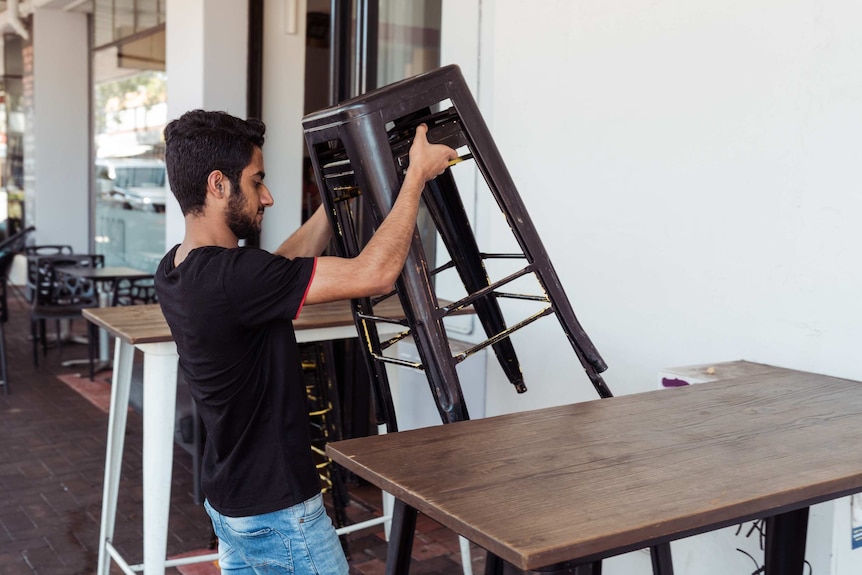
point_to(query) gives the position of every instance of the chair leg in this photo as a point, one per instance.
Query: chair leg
(59, 339)
(43, 331)
(34, 336)
(92, 341)
(3, 374)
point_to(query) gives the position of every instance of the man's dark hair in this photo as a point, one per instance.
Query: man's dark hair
(199, 142)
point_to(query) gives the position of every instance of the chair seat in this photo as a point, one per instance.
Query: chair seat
(51, 312)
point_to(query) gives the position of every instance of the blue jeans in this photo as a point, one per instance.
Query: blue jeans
(299, 540)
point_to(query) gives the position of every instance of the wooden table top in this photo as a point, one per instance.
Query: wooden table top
(138, 324)
(106, 273)
(608, 476)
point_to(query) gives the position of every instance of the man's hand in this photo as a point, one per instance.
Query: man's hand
(427, 161)
(378, 265)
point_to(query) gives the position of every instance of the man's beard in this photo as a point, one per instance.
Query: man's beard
(240, 223)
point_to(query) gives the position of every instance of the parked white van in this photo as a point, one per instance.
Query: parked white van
(139, 184)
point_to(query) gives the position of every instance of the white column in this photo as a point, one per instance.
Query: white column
(283, 108)
(207, 56)
(61, 127)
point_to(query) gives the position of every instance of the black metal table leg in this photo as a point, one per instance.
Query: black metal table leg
(785, 543)
(496, 566)
(594, 568)
(571, 568)
(662, 561)
(400, 539)
(493, 565)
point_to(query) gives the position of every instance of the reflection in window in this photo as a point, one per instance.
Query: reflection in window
(130, 112)
(409, 39)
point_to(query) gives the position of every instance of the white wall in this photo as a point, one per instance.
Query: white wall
(207, 61)
(61, 129)
(693, 172)
(207, 67)
(283, 103)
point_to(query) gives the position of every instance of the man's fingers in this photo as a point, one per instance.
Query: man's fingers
(432, 153)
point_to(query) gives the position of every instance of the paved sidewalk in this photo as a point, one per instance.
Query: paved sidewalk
(52, 456)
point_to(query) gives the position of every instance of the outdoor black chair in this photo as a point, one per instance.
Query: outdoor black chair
(134, 292)
(60, 296)
(33, 254)
(9, 248)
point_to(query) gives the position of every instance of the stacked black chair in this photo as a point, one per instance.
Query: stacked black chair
(359, 154)
(9, 248)
(324, 411)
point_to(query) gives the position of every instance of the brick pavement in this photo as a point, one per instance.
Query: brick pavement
(52, 455)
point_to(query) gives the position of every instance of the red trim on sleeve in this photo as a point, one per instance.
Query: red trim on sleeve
(308, 287)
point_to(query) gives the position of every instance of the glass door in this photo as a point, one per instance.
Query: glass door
(408, 39)
(351, 48)
(130, 112)
(378, 42)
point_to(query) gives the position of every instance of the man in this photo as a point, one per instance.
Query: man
(230, 310)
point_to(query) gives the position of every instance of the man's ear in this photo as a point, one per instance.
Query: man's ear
(216, 183)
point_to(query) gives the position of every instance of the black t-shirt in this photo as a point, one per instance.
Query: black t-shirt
(230, 312)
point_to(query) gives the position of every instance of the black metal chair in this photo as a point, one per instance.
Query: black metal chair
(359, 150)
(33, 254)
(324, 411)
(9, 248)
(138, 291)
(58, 296)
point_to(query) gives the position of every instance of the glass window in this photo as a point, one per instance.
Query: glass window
(103, 16)
(409, 39)
(13, 136)
(118, 20)
(131, 189)
(409, 44)
(151, 13)
(123, 19)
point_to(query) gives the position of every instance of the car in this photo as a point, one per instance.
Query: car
(141, 184)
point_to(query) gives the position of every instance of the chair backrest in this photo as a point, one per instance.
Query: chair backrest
(48, 250)
(56, 289)
(16, 242)
(9, 248)
(33, 254)
(134, 292)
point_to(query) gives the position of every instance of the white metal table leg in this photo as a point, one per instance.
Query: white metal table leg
(160, 381)
(121, 384)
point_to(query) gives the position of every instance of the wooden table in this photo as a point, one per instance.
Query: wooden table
(141, 324)
(144, 327)
(107, 273)
(581, 482)
(105, 278)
